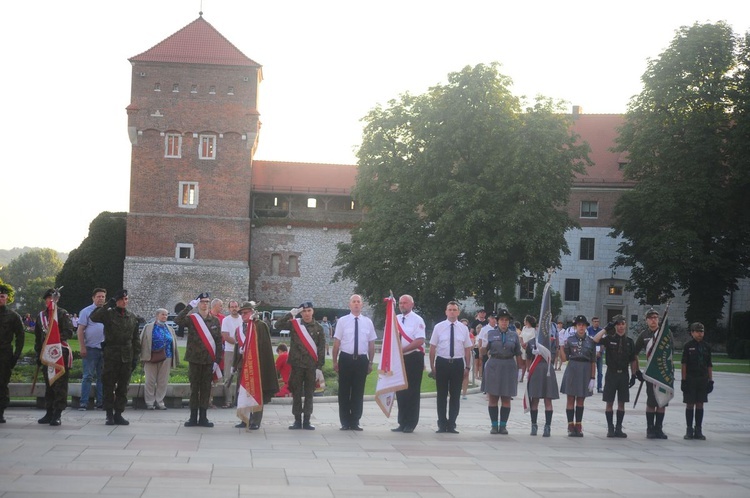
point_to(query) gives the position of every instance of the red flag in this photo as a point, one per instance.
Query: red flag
(250, 398)
(391, 371)
(52, 349)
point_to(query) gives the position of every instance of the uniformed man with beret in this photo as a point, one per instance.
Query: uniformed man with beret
(121, 349)
(620, 355)
(11, 329)
(307, 353)
(56, 395)
(203, 352)
(654, 412)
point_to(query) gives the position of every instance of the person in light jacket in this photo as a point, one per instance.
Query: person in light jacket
(156, 337)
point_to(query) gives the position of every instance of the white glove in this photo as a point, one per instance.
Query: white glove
(295, 311)
(534, 351)
(591, 385)
(194, 303)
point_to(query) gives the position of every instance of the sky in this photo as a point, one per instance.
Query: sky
(66, 78)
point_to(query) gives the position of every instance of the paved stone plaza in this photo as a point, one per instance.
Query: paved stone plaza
(156, 456)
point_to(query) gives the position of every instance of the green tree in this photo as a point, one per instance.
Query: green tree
(30, 296)
(462, 190)
(36, 263)
(97, 262)
(686, 223)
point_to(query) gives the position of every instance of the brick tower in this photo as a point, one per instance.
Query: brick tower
(193, 125)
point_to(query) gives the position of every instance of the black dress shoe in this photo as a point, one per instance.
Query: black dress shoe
(400, 428)
(254, 427)
(356, 428)
(241, 425)
(441, 430)
(454, 431)
(344, 428)
(408, 430)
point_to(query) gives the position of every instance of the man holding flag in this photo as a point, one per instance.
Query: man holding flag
(307, 353)
(203, 352)
(258, 380)
(412, 333)
(52, 330)
(659, 374)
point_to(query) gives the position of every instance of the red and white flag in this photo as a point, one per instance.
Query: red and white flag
(52, 349)
(391, 370)
(250, 397)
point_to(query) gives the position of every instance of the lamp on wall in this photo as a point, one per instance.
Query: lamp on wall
(613, 290)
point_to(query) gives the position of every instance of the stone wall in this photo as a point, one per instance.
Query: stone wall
(164, 282)
(314, 250)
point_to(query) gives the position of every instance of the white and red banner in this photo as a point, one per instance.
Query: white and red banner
(391, 370)
(52, 355)
(544, 331)
(250, 398)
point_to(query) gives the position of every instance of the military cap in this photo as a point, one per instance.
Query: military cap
(651, 312)
(618, 318)
(580, 319)
(697, 327)
(491, 314)
(502, 312)
(121, 294)
(306, 304)
(248, 305)
(48, 293)
(203, 295)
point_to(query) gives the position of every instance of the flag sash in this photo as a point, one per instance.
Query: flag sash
(250, 397)
(526, 397)
(305, 337)
(391, 370)
(659, 367)
(52, 354)
(406, 337)
(208, 342)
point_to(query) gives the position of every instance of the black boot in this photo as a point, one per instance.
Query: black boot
(297, 423)
(307, 425)
(203, 420)
(47, 418)
(618, 431)
(699, 433)
(610, 430)
(110, 417)
(119, 420)
(193, 418)
(689, 434)
(56, 418)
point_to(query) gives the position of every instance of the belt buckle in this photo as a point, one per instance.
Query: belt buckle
(355, 357)
(450, 360)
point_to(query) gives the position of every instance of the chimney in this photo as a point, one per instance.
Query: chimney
(577, 111)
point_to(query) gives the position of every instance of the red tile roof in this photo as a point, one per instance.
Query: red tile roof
(279, 176)
(196, 43)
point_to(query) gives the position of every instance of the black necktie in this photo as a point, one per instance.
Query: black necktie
(356, 336)
(403, 318)
(451, 341)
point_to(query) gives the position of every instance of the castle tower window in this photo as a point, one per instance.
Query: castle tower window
(230, 91)
(184, 251)
(188, 195)
(176, 88)
(587, 249)
(157, 87)
(207, 149)
(173, 145)
(194, 89)
(275, 264)
(212, 90)
(293, 265)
